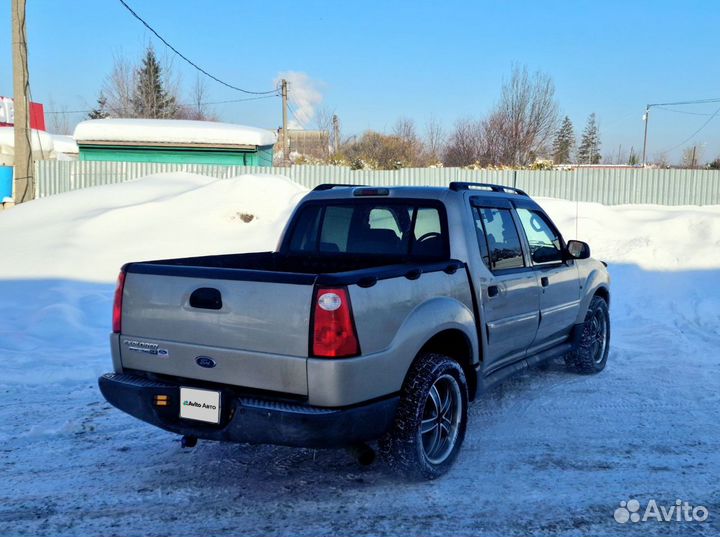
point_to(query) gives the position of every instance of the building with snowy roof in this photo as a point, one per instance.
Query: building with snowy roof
(174, 141)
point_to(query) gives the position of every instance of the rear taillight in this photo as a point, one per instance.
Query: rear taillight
(117, 304)
(334, 333)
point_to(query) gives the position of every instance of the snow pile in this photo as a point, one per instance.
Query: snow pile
(169, 131)
(89, 234)
(65, 144)
(650, 236)
(61, 255)
(40, 141)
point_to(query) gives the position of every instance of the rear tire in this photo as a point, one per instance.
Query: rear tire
(593, 344)
(431, 419)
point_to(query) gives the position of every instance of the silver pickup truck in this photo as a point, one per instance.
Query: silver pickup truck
(382, 314)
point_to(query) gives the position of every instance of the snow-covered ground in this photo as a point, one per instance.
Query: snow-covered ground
(547, 453)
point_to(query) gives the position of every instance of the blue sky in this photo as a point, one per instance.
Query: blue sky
(373, 62)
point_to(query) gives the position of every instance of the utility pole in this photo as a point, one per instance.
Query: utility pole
(336, 133)
(24, 183)
(646, 118)
(692, 164)
(286, 138)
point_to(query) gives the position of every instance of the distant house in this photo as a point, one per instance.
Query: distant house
(308, 143)
(174, 141)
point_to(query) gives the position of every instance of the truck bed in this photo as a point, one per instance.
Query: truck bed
(251, 312)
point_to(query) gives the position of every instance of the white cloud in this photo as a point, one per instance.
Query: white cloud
(304, 97)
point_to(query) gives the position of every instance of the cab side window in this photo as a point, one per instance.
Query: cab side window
(497, 228)
(544, 241)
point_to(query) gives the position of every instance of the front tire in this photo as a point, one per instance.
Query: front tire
(593, 345)
(431, 419)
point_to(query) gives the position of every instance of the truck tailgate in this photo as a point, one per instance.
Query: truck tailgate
(255, 335)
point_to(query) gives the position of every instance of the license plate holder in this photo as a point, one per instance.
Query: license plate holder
(200, 405)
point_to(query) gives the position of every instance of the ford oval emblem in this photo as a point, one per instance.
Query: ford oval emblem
(205, 361)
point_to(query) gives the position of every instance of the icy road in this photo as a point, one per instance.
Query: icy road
(547, 453)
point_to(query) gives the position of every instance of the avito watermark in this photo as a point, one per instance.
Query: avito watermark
(680, 511)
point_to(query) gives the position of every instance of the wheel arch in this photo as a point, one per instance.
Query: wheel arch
(595, 284)
(604, 293)
(455, 344)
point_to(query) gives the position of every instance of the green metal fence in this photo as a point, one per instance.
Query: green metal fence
(609, 186)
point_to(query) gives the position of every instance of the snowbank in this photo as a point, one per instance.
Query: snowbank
(171, 131)
(650, 236)
(89, 234)
(65, 144)
(41, 142)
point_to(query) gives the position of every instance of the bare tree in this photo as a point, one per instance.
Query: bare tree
(60, 123)
(119, 87)
(661, 160)
(197, 108)
(324, 123)
(465, 144)
(59, 119)
(406, 133)
(434, 141)
(691, 156)
(619, 157)
(526, 116)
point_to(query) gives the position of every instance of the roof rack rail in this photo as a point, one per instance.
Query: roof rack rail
(459, 185)
(330, 186)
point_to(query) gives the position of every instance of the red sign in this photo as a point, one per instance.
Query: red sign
(7, 114)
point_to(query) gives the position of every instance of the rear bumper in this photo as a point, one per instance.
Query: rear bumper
(251, 420)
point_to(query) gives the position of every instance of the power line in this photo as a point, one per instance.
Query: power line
(202, 103)
(646, 117)
(196, 66)
(686, 140)
(244, 100)
(295, 116)
(683, 111)
(697, 101)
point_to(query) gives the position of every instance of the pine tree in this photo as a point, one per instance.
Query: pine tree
(100, 111)
(589, 149)
(564, 142)
(151, 99)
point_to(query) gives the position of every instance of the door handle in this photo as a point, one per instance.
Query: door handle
(544, 281)
(206, 298)
(493, 291)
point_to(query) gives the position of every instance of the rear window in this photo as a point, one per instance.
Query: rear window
(371, 227)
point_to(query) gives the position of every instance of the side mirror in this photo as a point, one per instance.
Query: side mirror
(577, 250)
